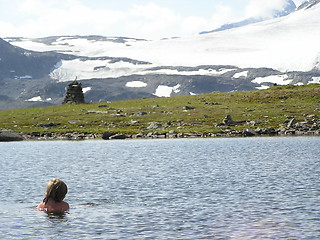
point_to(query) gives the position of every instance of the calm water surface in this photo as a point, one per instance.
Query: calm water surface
(239, 188)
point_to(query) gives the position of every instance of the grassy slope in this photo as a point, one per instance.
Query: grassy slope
(269, 108)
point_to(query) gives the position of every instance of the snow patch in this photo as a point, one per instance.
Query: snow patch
(241, 74)
(136, 84)
(86, 89)
(35, 99)
(262, 87)
(166, 91)
(315, 80)
(275, 79)
(77, 68)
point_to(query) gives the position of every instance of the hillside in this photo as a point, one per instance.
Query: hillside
(278, 110)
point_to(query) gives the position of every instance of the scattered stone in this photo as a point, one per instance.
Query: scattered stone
(228, 121)
(134, 122)
(212, 103)
(154, 125)
(291, 123)
(138, 114)
(252, 123)
(249, 132)
(9, 136)
(48, 124)
(73, 121)
(97, 112)
(188, 108)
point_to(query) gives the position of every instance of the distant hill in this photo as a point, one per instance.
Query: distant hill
(283, 50)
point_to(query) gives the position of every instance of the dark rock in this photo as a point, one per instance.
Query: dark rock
(140, 114)
(48, 124)
(249, 132)
(228, 121)
(270, 131)
(188, 108)
(107, 135)
(118, 136)
(292, 123)
(212, 103)
(9, 136)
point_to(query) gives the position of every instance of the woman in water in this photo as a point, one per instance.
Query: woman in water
(53, 201)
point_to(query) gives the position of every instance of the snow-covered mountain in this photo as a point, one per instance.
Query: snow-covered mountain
(288, 7)
(283, 50)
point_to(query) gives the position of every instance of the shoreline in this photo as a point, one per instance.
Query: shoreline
(248, 132)
(291, 127)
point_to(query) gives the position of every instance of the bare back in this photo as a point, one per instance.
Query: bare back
(53, 206)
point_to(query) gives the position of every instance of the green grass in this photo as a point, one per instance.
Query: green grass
(269, 108)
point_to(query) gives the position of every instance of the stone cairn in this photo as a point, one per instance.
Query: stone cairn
(74, 94)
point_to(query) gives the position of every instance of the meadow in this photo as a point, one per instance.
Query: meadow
(182, 114)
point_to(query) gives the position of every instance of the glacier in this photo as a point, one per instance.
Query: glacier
(289, 43)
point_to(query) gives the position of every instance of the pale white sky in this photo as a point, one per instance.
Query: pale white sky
(148, 19)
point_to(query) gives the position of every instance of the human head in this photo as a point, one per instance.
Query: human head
(56, 189)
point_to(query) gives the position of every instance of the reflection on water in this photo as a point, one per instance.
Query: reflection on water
(57, 216)
(257, 188)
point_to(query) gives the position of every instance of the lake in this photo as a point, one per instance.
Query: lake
(227, 188)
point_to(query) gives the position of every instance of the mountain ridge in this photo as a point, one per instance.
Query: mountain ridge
(289, 8)
(111, 68)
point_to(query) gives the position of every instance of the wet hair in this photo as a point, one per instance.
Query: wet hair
(56, 190)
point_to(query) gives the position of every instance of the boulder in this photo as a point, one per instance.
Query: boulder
(107, 135)
(118, 136)
(187, 108)
(291, 123)
(228, 121)
(9, 135)
(249, 132)
(154, 125)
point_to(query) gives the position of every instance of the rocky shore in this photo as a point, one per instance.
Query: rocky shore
(291, 127)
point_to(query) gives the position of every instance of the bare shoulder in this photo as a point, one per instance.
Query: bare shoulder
(65, 206)
(51, 206)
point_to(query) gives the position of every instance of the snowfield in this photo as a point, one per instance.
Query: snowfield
(289, 43)
(278, 79)
(280, 46)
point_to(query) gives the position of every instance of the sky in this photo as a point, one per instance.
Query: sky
(146, 19)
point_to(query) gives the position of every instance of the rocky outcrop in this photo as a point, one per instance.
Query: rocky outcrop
(9, 136)
(308, 4)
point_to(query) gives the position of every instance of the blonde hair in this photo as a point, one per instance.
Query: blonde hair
(56, 190)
